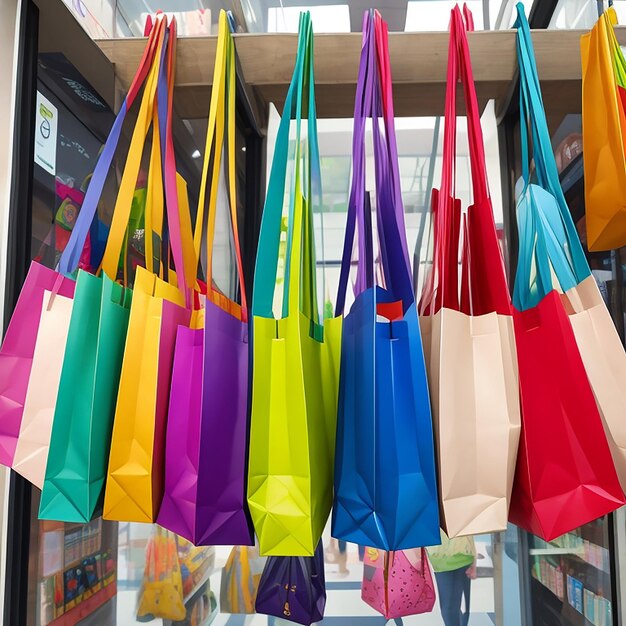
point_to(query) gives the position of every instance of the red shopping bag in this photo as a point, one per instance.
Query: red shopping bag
(565, 475)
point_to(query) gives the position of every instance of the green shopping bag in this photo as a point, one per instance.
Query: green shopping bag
(296, 359)
(83, 415)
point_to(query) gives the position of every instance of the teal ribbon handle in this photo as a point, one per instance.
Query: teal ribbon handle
(269, 236)
(561, 237)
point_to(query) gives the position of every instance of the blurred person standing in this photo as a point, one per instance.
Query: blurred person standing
(454, 564)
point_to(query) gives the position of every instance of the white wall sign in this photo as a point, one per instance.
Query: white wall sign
(46, 125)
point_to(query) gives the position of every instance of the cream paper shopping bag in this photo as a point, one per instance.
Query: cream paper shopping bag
(604, 358)
(475, 400)
(33, 444)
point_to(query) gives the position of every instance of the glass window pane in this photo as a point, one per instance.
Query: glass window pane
(580, 14)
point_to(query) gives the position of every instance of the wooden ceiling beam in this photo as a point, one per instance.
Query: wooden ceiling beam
(418, 62)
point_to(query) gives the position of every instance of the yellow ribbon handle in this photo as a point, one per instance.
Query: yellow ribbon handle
(222, 106)
(216, 95)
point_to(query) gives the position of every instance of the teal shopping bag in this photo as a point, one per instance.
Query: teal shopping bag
(83, 416)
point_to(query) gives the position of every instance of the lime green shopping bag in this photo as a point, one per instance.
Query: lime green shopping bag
(295, 358)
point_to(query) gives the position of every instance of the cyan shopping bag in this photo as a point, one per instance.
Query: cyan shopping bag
(206, 445)
(385, 480)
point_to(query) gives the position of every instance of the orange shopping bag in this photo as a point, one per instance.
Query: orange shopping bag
(604, 128)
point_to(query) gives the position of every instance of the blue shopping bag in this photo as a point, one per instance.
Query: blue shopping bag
(385, 481)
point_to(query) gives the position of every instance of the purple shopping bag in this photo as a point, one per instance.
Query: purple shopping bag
(207, 434)
(18, 347)
(207, 430)
(293, 588)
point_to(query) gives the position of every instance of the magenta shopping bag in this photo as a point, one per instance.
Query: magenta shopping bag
(207, 434)
(18, 347)
(398, 584)
(207, 429)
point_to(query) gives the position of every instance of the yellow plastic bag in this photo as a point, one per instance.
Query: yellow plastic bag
(604, 130)
(161, 594)
(240, 580)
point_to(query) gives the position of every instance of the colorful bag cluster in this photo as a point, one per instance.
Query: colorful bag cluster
(385, 481)
(295, 355)
(467, 328)
(604, 134)
(398, 584)
(148, 395)
(559, 489)
(97, 344)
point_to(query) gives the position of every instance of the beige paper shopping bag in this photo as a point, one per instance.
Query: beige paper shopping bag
(605, 363)
(31, 453)
(467, 329)
(474, 392)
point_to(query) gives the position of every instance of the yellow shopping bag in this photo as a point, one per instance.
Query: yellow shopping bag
(161, 593)
(296, 359)
(604, 130)
(134, 487)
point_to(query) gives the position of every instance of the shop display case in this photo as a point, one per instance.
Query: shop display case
(77, 570)
(571, 578)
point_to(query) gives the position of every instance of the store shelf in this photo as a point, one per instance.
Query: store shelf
(554, 550)
(547, 589)
(86, 607)
(418, 61)
(203, 581)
